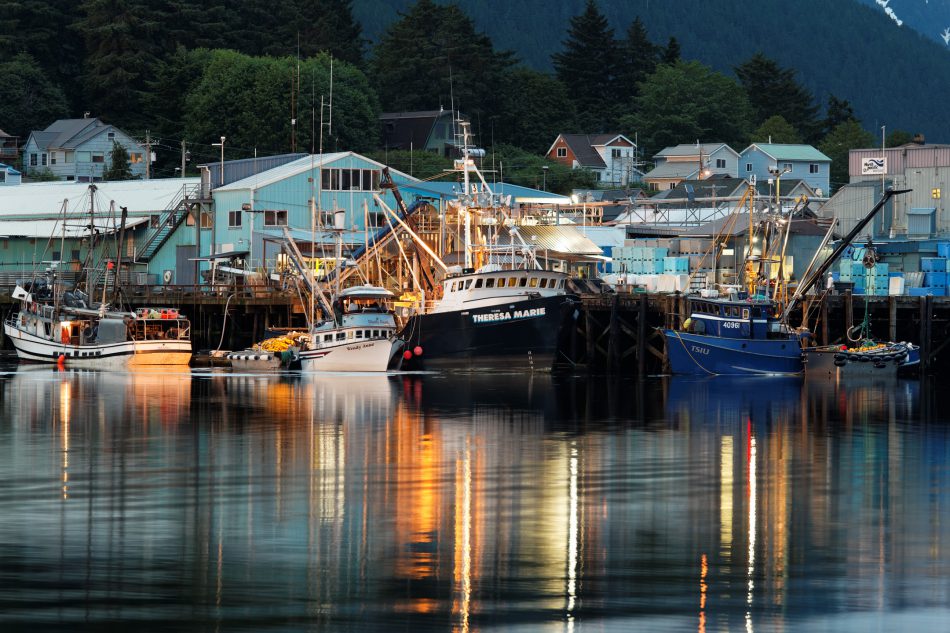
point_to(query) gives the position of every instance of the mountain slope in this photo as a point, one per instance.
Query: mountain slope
(892, 75)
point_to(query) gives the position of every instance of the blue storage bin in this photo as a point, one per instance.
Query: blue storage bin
(921, 292)
(935, 280)
(933, 264)
(943, 249)
(895, 274)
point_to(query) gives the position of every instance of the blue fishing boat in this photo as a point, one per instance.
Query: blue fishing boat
(733, 336)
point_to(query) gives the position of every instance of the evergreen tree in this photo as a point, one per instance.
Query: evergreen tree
(329, 25)
(263, 27)
(638, 59)
(119, 168)
(776, 130)
(535, 109)
(898, 138)
(587, 64)
(773, 90)
(839, 111)
(433, 57)
(847, 136)
(667, 112)
(30, 100)
(42, 30)
(671, 54)
(120, 58)
(185, 23)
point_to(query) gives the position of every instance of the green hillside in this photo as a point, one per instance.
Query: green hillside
(892, 75)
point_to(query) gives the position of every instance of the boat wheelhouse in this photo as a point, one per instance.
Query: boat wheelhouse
(735, 335)
(361, 337)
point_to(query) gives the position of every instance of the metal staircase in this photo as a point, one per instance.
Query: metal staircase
(168, 222)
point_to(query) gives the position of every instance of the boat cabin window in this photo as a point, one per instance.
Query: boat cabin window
(359, 333)
(733, 311)
(452, 287)
(512, 282)
(501, 282)
(490, 282)
(478, 283)
(468, 284)
(340, 336)
(745, 313)
(756, 312)
(327, 337)
(523, 282)
(534, 282)
(544, 282)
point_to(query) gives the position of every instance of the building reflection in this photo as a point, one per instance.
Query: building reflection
(450, 499)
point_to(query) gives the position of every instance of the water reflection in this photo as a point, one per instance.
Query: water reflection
(468, 502)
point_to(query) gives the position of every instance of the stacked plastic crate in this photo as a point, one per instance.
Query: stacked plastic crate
(934, 270)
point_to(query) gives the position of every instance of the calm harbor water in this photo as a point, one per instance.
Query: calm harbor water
(212, 501)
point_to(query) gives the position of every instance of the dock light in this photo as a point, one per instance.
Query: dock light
(935, 193)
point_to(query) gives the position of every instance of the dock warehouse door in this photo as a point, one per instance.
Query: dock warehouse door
(185, 269)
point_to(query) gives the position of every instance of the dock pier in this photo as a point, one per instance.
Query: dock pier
(614, 333)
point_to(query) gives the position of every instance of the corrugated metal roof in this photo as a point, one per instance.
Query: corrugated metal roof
(691, 149)
(74, 227)
(519, 194)
(235, 170)
(46, 198)
(299, 166)
(565, 239)
(781, 151)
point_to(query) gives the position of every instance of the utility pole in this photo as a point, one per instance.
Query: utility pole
(148, 155)
(183, 159)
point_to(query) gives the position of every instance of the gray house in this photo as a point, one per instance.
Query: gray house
(691, 161)
(79, 149)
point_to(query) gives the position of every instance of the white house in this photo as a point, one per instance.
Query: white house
(613, 157)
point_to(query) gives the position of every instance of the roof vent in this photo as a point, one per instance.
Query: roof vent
(919, 138)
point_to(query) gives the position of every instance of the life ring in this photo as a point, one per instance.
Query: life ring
(65, 336)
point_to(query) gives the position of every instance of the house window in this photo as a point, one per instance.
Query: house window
(813, 168)
(67, 157)
(672, 185)
(98, 158)
(275, 218)
(206, 220)
(375, 220)
(75, 254)
(720, 163)
(154, 221)
(43, 159)
(616, 153)
(52, 158)
(111, 136)
(654, 186)
(234, 219)
(748, 167)
(135, 157)
(70, 178)
(33, 160)
(562, 152)
(787, 167)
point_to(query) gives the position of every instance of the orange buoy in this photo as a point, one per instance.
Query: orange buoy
(61, 361)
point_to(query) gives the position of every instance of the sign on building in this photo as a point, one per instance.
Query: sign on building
(874, 166)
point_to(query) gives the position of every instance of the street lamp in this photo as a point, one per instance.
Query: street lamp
(544, 177)
(221, 145)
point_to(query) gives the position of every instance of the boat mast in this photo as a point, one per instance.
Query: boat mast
(465, 183)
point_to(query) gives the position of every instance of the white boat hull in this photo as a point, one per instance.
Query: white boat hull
(372, 355)
(33, 348)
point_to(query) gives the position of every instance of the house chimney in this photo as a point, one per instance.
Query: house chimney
(919, 138)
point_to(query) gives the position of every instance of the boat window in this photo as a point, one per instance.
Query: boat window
(544, 282)
(523, 282)
(512, 282)
(561, 285)
(733, 311)
(359, 333)
(534, 282)
(745, 313)
(478, 283)
(756, 312)
(327, 337)
(340, 336)
(501, 282)
(376, 334)
(468, 284)
(452, 289)
(490, 282)
(349, 334)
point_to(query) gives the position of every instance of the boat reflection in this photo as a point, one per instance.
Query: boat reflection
(441, 501)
